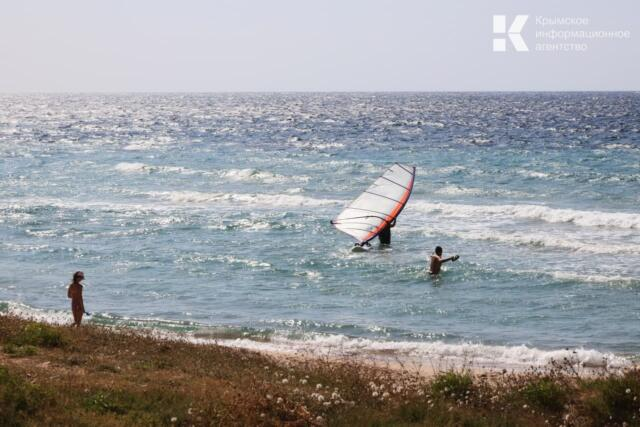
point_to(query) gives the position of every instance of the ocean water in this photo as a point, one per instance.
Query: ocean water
(208, 215)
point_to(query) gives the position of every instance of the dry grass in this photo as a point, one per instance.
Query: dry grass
(95, 376)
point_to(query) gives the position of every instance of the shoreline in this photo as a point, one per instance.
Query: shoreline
(427, 357)
(118, 376)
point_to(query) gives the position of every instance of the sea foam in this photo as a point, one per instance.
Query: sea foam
(438, 354)
(267, 200)
(533, 212)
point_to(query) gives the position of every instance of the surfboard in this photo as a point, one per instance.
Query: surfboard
(379, 205)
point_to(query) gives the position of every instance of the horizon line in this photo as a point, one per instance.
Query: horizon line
(204, 92)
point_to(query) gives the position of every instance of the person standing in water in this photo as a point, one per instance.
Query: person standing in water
(437, 260)
(385, 235)
(75, 293)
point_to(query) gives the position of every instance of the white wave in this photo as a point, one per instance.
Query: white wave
(230, 259)
(545, 240)
(257, 175)
(594, 278)
(532, 174)
(314, 145)
(272, 200)
(48, 316)
(15, 217)
(435, 353)
(583, 277)
(141, 145)
(174, 201)
(620, 146)
(126, 167)
(225, 259)
(450, 169)
(232, 175)
(312, 275)
(243, 224)
(536, 212)
(128, 209)
(14, 247)
(455, 190)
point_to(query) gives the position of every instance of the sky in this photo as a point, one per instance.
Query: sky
(310, 45)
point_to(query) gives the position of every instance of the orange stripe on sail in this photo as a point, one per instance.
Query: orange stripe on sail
(394, 213)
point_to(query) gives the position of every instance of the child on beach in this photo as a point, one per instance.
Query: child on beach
(75, 293)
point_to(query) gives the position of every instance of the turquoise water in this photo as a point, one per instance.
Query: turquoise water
(211, 213)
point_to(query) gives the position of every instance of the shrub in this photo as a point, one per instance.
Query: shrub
(19, 350)
(614, 397)
(546, 394)
(18, 398)
(38, 334)
(452, 382)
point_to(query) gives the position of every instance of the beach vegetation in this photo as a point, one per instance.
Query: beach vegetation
(105, 376)
(38, 335)
(613, 399)
(19, 350)
(452, 384)
(19, 399)
(546, 394)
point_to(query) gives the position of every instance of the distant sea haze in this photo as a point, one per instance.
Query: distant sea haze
(209, 216)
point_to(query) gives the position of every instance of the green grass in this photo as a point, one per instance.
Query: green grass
(20, 350)
(38, 335)
(614, 398)
(546, 394)
(18, 399)
(452, 384)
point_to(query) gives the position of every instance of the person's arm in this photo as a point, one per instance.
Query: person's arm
(69, 292)
(451, 258)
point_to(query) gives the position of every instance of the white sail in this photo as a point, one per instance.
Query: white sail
(379, 205)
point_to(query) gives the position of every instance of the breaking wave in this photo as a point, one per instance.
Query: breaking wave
(268, 200)
(439, 354)
(534, 212)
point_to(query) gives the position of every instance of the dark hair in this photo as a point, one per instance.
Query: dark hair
(77, 275)
(438, 250)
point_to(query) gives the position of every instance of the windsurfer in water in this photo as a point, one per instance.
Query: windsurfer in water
(385, 235)
(437, 260)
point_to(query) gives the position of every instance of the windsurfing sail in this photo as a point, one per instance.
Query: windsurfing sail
(379, 205)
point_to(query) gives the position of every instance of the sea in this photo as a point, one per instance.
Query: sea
(207, 217)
